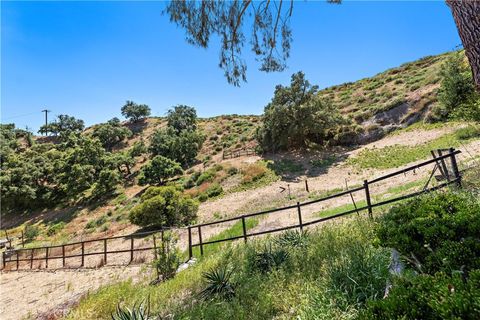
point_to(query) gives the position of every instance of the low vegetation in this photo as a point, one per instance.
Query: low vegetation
(339, 271)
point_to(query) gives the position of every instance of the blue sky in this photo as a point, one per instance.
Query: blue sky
(86, 58)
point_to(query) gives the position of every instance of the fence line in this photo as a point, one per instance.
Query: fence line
(239, 152)
(439, 160)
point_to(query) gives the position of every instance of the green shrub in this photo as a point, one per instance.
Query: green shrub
(435, 232)
(55, 228)
(168, 257)
(232, 171)
(163, 207)
(206, 176)
(214, 190)
(31, 232)
(429, 297)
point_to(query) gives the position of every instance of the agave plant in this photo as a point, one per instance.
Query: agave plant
(137, 312)
(268, 258)
(293, 238)
(218, 284)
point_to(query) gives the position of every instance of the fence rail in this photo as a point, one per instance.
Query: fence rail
(239, 153)
(451, 176)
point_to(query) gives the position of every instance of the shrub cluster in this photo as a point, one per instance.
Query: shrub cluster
(164, 207)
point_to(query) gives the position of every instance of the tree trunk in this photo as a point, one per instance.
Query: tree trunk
(466, 14)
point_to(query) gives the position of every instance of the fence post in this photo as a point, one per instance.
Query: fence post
(458, 177)
(83, 252)
(367, 194)
(200, 239)
(300, 215)
(105, 251)
(190, 249)
(306, 185)
(46, 257)
(244, 226)
(63, 255)
(31, 259)
(17, 259)
(3, 259)
(445, 169)
(154, 247)
(23, 242)
(131, 249)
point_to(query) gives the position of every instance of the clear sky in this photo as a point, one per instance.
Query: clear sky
(86, 58)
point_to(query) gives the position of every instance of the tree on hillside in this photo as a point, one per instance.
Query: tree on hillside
(296, 118)
(182, 118)
(135, 112)
(63, 125)
(271, 33)
(111, 133)
(164, 207)
(181, 147)
(158, 170)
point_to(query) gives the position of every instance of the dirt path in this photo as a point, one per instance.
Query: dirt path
(27, 293)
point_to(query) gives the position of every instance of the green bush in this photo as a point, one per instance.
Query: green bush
(214, 190)
(31, 232)
(429, 297)
(168, 257)
(164, 207)
(206, 176)
(137, 312)
(55, 228)
(158, 170)
(435, 232)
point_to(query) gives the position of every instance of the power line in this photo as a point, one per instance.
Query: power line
(20, 115)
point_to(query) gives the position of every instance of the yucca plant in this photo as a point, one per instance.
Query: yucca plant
(137, 312)
(218, 284)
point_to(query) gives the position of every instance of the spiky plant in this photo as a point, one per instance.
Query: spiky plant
(268, 258)
(218, 284)
(293, 238)
(137, 312)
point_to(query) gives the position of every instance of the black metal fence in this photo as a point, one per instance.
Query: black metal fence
(99, 247)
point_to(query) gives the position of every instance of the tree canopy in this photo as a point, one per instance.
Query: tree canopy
(135, 112)
(158, 170)
(296, 118)
(63, 125)
(182, 118)
(111, 133)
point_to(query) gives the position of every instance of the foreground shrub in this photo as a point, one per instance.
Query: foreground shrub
(168, 257)
(267, 258)
(158, 170)
(435, 232)
(429, 297)
(164, 207)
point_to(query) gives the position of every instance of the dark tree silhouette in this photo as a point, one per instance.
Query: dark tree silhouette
(271, 34)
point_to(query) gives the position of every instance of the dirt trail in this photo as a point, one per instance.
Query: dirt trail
(28, 292)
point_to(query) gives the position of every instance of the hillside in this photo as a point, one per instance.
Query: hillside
(392, 99)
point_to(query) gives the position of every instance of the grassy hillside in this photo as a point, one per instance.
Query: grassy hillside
(415, 83)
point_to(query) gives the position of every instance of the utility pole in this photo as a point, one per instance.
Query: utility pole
(46, 119)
